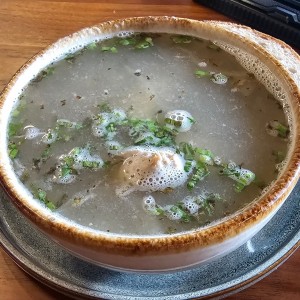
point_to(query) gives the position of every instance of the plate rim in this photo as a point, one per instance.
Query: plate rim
(58, 284)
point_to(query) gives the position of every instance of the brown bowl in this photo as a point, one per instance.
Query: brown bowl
(278, 69)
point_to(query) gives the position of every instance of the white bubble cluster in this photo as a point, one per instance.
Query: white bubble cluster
(65, 179)
(85, 156)
(147, 168)
(149, 204)
(172, 214)
(50, 137)
(113, 147)
(180, 120)
(219, 78)
(82, 156)
(32, 132)
(105, 122)
(239, 174)
(217, 160)
(202, 64)
(190, 205)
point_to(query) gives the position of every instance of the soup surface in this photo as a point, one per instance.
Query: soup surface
(86, 126)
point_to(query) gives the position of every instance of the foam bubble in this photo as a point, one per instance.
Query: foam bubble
(31, 132)
(152, 168)
(180, 120)
(217, 160)
(149, 204)
(219, 78)
(50, 137)
(172, 214)
(190, 205)
(113, 147)
(118, 114)
(65, 179)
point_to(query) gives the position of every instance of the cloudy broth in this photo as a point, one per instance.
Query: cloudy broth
(145, 76)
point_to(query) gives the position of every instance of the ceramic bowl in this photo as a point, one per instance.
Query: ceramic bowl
(178, 250)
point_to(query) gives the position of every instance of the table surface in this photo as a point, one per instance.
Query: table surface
(27, 27)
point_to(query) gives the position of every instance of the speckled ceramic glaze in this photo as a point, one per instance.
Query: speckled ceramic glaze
(165, 252)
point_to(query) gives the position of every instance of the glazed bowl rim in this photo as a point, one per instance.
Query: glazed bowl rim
(215, 232)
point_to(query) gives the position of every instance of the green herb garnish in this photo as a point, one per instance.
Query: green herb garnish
(112, 49)
(41, 195)
(127, 41)
(276, 128)
(144, 43)
(12, 150)
(200, 172)
(44, 73)
(91, 46)
(243, 177)
(202, 73)
(14, 128)
(181, 39)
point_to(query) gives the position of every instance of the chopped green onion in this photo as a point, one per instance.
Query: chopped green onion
(91, 46)
(276, 128)
(200, 173)
(13, 129)
(46, 153)
(127, 41)
(181, 39)
(12, 150)
(202, 73)
(145, 43)
(109, 49)
(243, 177)
(41, 195)
(68, 124)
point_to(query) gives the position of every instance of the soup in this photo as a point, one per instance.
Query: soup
(147, 134)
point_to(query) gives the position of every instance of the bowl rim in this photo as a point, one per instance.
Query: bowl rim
(212, 234)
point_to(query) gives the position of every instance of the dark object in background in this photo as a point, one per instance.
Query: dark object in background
(280, 18)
